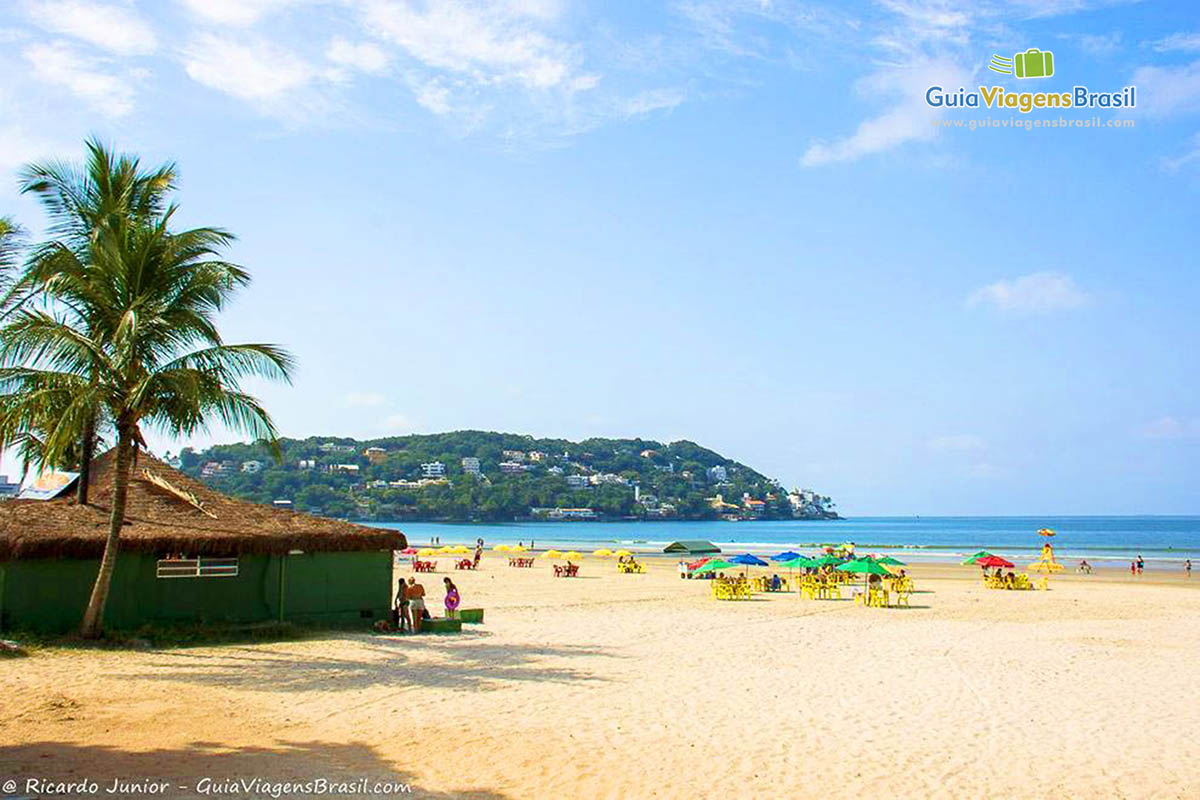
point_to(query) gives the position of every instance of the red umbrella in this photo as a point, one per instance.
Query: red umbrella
(408, 551)
(994, 561)
(695, 565)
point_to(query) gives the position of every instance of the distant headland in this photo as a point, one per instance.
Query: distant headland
(481, 476)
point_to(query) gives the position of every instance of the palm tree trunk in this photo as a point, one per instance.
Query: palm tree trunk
(87, 447)
(94, 615)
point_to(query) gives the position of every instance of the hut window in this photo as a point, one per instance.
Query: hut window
(197, 568)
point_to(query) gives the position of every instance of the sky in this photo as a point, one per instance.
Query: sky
(739, 223)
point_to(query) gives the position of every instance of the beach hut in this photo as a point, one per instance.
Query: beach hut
(187, 554)
(692, 547)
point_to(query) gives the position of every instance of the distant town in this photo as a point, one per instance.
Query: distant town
(473, 475)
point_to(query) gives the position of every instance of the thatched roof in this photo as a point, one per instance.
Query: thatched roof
(160, 520)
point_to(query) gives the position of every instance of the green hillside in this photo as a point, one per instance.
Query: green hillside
(519, 477)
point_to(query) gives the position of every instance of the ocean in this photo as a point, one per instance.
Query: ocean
(1162, 541)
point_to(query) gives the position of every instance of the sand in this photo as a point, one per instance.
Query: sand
(637, 686)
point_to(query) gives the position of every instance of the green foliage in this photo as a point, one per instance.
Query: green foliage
(673, 478)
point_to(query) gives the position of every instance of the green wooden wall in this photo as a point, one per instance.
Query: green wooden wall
(317, 588)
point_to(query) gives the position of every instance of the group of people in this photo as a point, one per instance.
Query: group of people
(410, 604)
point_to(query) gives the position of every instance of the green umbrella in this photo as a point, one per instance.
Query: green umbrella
(981, 554)
(864, 567)
(800, 562)
(895, 562)
(714, 566)
(825, 561)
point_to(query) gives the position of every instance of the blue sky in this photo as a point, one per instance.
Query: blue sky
(735, 223)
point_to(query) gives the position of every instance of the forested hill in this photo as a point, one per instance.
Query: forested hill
(477, 475)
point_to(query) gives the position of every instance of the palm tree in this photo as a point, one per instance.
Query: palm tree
(130, 341)
(81, 203)
(10, 244)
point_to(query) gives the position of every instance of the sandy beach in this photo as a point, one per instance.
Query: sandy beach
(615, 685)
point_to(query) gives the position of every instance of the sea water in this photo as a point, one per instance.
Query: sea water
(1162, 541)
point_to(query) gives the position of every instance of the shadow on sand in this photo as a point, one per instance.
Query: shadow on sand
(464, 662)
(355, 765)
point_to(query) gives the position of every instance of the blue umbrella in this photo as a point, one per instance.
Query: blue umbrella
(749, 560)
(786, 555)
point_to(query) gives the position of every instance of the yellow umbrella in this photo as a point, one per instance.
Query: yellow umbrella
(501, 548)
(460, 549)
(517, 548)
(551, 554)
(427, 551)
(603, 551)
(446, 549)
(622, 553)
(571, 556)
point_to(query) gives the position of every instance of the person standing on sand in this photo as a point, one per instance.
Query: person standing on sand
(1133, 568)
(415, 593)
(403, 620)
(452, 598)
(1141, 564)
(1187, 567)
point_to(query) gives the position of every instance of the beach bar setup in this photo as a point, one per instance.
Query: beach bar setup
(188, 554)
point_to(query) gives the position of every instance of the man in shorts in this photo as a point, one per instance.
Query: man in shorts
(403, 620)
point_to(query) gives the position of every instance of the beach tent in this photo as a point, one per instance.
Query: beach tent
(188, 554)
(692, 547)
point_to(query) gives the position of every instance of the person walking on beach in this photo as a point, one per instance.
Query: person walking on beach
(1187, 567)
(1141, 563)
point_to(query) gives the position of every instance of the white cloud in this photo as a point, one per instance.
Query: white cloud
(1164, 91)
(238, 13)
(113, 27)
(1037, 293)
(498, 44)
(397, 423)
(1096, 44)
(363, 56)
(1171, 428)
(1177, 41)
(254, 71)
(651, 100)
(908, 119)
(364, 399)
(1191, 156)
(59, 64)
(956, 443)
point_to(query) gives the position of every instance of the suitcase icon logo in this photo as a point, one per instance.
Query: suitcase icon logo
(1033, 63)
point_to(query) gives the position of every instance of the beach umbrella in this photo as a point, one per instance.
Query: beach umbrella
(825, 561)
(976, 557)
(749, 560)
(427, 551)
(551, 554)
(994, 561)
(602, 552)
(786, 555)
(571, 556)
(695, 565)
(799, 562)
(408, 551)
(888, 560)
(622, 553)
(501, 548)
(445, 549)
(865, 567)
(517, 548)
(715, 566)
